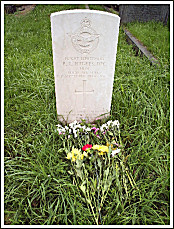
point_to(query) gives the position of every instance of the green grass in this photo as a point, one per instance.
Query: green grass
(96, 7)
(155, 36)
(38, 189)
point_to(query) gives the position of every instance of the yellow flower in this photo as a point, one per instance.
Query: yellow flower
(96, 147)
(112, 146)
(74, 158)
(101, 153)
(75, 151)
(85, 154)
(73, 154)
(101, 148)
(104, 149)
(82, 156)
(69, 156)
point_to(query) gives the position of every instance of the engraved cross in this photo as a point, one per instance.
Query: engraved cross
(84, 92)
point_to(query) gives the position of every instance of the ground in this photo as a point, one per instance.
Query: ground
(24, 9)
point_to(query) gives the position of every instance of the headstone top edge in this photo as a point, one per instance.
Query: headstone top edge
(76, 11)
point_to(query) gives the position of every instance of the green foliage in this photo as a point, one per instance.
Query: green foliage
(38, 188)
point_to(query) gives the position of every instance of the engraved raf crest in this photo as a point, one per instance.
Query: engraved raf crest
(85, 39)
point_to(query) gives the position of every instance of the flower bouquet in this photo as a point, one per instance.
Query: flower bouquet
(98, 163)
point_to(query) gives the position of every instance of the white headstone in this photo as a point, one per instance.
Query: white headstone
(84, 46)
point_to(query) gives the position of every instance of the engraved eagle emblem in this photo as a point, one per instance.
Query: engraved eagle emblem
(85, 39)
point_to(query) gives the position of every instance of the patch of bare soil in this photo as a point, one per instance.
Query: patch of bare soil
(24, 9)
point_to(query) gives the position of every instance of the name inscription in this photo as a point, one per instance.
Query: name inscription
(83, 67)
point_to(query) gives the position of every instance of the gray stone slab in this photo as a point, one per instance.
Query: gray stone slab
(134, 41)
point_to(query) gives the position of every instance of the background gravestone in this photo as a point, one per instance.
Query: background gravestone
(144, 12)
(84, 46)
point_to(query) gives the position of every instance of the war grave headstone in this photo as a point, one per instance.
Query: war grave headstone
(84, 44)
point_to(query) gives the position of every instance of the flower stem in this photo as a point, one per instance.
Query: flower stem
(89, 196)
(98, 201)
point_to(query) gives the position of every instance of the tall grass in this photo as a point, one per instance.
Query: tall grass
(38, 189)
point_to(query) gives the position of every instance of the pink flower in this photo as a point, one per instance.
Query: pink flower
(87, 146)
(96, 130)
(93, 128)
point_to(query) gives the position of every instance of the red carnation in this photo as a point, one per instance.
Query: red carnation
(87, 146)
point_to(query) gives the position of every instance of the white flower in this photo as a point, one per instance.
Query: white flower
(109, 122)
(88, 129)
(116, 123)
(63, 130)
(103, 126)
(58, 125)
(75, 132)
(84, 128)
(77, 126)
(59, 131)
(59, 128)
(114, 152)
(73, 124)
